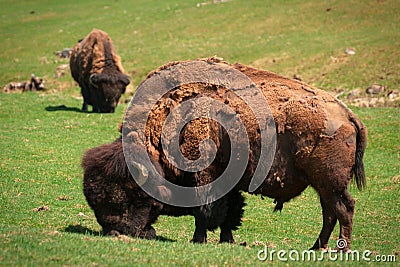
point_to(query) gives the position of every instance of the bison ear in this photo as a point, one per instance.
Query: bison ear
(125, 79)
(94, 79)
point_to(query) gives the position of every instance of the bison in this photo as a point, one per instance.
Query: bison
(319, 143)
(97, 68)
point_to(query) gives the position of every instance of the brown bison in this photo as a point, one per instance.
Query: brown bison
(319, 142)
(97, 69)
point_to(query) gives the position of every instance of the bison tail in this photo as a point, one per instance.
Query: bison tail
(361, 143)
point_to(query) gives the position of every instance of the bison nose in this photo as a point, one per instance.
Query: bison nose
(113, 105)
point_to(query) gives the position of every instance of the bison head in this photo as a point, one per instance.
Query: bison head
(107, 91)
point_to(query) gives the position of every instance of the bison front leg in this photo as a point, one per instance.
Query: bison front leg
(233, 218)
(210, 217)
(84, 107)
(200, 232)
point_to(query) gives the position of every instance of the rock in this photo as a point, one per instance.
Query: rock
(349, 51)
(393, 94)
(363, 104)
(354, 93)
(41, 208)
(65, 53)
(61, 70)
(297, 77)
(375, 89)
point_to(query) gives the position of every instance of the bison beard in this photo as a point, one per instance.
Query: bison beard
(320, 142)
(97, 69)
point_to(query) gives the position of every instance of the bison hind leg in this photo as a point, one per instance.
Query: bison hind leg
(329, 222)
(336, 206)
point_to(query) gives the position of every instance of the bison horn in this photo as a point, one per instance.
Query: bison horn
(93, 79)
(125, 79)
(142, 173)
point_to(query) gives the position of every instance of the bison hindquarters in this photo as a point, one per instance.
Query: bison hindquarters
(330, 168)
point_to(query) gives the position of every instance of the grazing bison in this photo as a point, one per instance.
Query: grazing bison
(119, 204)
(319, 142)
(97, 69)
(122, 207)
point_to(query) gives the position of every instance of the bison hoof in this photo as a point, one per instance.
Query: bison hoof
(346, 250)
(226, 237)
(199, 240)
(149, 233)
(231, 241)
(113, 233)
(319, 245)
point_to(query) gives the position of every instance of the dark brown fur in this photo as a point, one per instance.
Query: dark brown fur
(97, 69)
(122, 207)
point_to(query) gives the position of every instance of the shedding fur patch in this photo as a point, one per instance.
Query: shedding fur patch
(315, 134)
(93, 52)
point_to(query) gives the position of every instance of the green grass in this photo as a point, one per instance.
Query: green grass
(41, 149)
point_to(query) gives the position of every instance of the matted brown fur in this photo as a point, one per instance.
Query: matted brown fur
(97, 63)
(320, 142)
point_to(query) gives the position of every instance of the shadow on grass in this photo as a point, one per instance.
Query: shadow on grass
(79, 229)
(64, 108)
(164, 239)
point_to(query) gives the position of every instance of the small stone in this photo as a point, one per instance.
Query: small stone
(393, 94)
(41, 208)
(375, 89)
(297, 77)
(349, 51)
(354, 93)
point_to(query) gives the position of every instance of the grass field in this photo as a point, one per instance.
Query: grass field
(42, 146)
